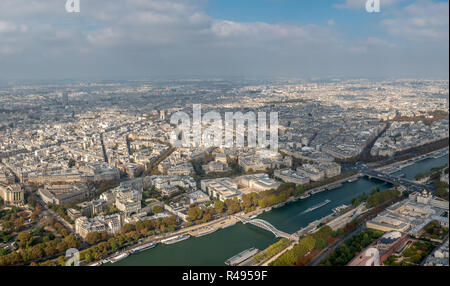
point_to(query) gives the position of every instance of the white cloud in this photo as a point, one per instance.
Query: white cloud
(8, 27)
(422, 20)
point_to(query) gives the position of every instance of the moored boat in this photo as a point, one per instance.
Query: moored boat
(143, 247)
(118, 257)
(175, 239)
(206, 232)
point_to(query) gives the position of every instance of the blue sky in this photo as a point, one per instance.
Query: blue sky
(195, 38)
(350, 22)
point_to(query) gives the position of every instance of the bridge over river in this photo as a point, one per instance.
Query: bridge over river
(265, 225)
(371, 173)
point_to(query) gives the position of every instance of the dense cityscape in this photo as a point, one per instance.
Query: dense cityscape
(91, 166)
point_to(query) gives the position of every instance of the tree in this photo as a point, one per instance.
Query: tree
(6, 237)
(18, 223)
(7, 226)
(95, 237)
(126, 228)
(219, 206)
(208, 214)
(113, 244)
(232, 206)
(24, 238)
(37, 253)
(31, 201)
(194, 213)
(71, 241)
(158, 209)
(321, 243)
(62, 260)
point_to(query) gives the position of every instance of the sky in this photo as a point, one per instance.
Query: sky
(158, 39)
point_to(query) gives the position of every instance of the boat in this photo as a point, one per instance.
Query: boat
(206, 232)
(118, 257)
(394, 170)
(334, 186)
(437, 156)
(352, 180)
(242, 256)
(337, 210)
(175, 239)
(143, 247)
(252, 217)
(317, 191)
(317, 206)
(304, 196)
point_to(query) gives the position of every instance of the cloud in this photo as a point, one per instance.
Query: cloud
(374, 41)
(269, 32)
(421, 20)
(8, 27)
(371, 43)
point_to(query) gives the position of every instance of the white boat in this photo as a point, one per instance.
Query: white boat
(206, 232)
(118, 257)
(317, 206)
(143, 247)
(175, 239)
(338, 209)
(304, 196)
(242, 256)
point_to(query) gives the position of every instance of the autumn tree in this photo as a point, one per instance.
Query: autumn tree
(219, 206)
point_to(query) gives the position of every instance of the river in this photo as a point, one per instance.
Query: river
(422, 166)
(216, 248)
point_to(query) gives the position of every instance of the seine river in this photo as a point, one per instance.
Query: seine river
(216, 248)
(425, 165)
